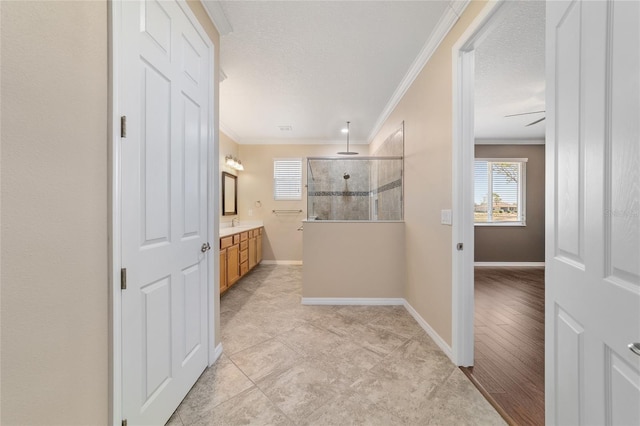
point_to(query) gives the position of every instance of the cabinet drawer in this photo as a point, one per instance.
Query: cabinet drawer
(244, 255)
(244, 268)
(244, 245)
(226, 242)
(244, 236)
(259, 231)
(236, 239)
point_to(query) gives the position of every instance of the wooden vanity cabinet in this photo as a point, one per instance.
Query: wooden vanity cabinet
(253, 250)
(259, 246)
(233, 269)
(223, 270)
(239, 253)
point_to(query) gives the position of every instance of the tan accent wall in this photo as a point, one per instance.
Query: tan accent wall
(55, 347)
(283, 242)
(426, 109)
(516, 243)
(54, 176)
(359, 260)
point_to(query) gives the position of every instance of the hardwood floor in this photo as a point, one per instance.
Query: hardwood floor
(509, 341)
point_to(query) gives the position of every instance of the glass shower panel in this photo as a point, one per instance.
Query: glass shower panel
(354, 189)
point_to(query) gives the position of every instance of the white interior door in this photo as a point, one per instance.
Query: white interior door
(593, 219)
(164, 95)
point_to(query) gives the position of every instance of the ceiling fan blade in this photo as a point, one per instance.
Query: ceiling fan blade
(524, 113)
(535, 122)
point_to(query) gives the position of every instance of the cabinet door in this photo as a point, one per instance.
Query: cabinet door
(252, 252)
(259, 249)
(223, 270)
(233, 264)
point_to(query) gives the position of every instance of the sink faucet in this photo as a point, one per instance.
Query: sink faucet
(235, 222)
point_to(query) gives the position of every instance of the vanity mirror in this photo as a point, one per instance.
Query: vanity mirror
(229, 194)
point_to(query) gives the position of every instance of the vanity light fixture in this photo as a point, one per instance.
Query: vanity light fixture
(233, 162)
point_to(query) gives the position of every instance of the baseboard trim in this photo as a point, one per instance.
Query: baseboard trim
(217, 352)
(372, 301)
(281, 262)
(517, 264)
(430, 331)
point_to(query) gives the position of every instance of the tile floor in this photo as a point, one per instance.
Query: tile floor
(289, 364)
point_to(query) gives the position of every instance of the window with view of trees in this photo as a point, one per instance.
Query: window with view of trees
(499, 197)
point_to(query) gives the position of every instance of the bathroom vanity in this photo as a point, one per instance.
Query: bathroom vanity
(240, 252)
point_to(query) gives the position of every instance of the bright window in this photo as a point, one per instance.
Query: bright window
(499, 197)
(287, 179)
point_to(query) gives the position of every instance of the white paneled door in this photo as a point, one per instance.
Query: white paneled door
(163, 92)
(593, 219)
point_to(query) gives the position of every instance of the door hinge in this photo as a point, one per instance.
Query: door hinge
(123, 279)
(123, 126)
(459, 246)
(124, 422)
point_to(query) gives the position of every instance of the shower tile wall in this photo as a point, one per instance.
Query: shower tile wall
(331, 197)
(387, 175)
(373, 190)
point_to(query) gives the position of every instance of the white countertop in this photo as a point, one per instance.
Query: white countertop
(226, 229)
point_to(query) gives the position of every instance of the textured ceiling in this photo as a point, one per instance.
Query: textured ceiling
(313, 65)
(510, 74)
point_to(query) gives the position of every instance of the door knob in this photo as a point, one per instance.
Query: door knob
(635, 348)
(205, 247)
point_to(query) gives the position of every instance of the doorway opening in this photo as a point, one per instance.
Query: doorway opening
(499, 117)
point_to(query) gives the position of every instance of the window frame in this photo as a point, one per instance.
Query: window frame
(276, 179)
(522, 191)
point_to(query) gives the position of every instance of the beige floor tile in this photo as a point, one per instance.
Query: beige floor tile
(174, 420)
(265, 358)
(325, 365)
(400, 323)
(242, 336)
(351, 361)
(217, 384)
(351, 408)
(311, 341)
(248, 408)
(361, 314)
(417, 358)
(458, 402)
(302, 389)
(379, 341)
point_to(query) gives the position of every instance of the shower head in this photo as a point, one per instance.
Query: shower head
(347, 152)
(346, 175)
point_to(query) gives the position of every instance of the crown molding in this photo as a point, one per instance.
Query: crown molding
(446, 22)
(229, 132)
(217, 16)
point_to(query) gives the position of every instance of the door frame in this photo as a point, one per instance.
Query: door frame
(115, 205)
(463, 68)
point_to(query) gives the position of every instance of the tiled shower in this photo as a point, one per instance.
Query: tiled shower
(358, 188)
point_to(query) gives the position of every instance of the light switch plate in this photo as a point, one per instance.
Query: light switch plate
(445, 217)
